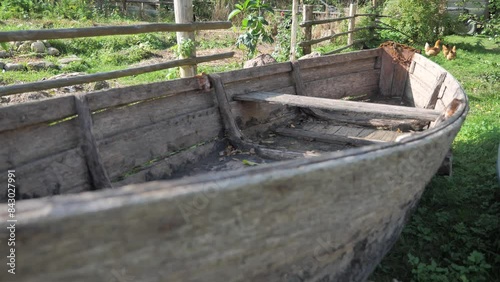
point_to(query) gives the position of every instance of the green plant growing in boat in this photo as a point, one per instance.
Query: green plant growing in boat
(254, 24)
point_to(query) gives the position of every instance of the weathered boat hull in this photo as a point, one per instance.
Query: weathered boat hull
(328, 218)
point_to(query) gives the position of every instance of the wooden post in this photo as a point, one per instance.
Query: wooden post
(184, 14)
(307, 16)
(374, 3)
(295, 25)
(352, 23)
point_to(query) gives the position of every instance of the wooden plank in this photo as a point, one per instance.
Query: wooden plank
(121, 96)
(267, 83)
(427, 65)
(338, 58)
(34, 142)
(372, 120)
(345, 85)
(121, 119)
(228, 119)
(60, 173)
(21, 115)
(386, 75)
(326, 138)
(24, 35)
(431, 104)
(343, 68)
(123, 152)
(49, 84)
(417, 93)
(255, 72)
(339, 105)
(167, 167)
(99, 178)
(399, 79)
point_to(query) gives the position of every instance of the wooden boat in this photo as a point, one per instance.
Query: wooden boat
(303, 171)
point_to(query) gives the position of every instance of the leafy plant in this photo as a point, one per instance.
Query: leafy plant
(253, 23)
(283, 39)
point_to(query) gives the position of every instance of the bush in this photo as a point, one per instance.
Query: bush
(414, 21)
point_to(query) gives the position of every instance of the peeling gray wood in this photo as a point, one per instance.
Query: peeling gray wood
(25, 114)
(254, 73)
(121, 119)
(435, 91)
(338, 58)
(340, 105)
(22, 146)
(345, 68)
(327, 138)
(336, 87)
(98, 174)
(122, 152)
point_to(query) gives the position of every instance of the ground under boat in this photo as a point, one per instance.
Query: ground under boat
(303, 171)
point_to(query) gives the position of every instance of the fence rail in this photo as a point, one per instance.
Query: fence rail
(8, 36)
(308, 23)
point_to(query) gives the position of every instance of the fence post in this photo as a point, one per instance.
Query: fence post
(293, 36)
(184, 14)
(352, 23)
(307, 16)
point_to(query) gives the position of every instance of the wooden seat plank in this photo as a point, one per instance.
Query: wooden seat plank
(340, 105)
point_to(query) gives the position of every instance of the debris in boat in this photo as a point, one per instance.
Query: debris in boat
(252, 151)
(203, 82)
(249, 163)
(401, 137)
(397, 52)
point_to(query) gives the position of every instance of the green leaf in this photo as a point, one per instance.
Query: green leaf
(233, 14)
(249, 163)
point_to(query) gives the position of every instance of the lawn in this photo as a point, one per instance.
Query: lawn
(454, 233)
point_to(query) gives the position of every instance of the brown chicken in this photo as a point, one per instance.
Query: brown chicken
(452, 54)
(446, 50)
(432, 51)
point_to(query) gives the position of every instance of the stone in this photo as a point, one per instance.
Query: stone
(4, 54)
(312, 55)
(25, 47)
(14, 67)
(46, 43)
(38, 47)
(99, 85)
(2, 64)
(53, 51)
(41, 65)
(264, 59)
(67, 60)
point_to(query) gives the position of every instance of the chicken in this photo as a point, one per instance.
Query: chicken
(452, 54)
(446, 50)
(432, 51)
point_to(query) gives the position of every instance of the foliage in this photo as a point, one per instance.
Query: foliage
(453, 235)
(254, 24)
(414, 21)
(283, 39)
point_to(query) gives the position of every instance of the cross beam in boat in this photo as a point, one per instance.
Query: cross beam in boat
(399, 112)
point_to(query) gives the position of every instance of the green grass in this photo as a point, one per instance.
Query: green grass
(454, 233)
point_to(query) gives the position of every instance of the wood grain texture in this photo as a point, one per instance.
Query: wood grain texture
(60, 173)
(24, 145)
(386, 74)
(123, 152)
(122, 96)
(327, 71)
(99, 178)
(121, 119)
(399, 80)
(256, 226)
(25, 114)
(345, 85)
(228, 119)
(167, 167)
(338, 58)
(436, 89)
(340, 105)
(326, 138)
(254, 73)
(267, 83)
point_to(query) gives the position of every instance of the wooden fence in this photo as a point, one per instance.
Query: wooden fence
(193, 60)
(309, 22)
